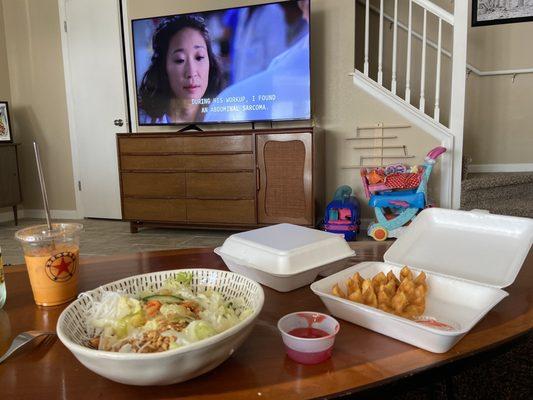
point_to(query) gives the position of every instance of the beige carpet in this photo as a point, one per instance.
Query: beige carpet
(509, 193)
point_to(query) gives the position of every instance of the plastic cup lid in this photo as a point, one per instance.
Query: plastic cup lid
(41, 233)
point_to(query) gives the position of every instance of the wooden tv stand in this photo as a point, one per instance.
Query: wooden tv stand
(221, 179)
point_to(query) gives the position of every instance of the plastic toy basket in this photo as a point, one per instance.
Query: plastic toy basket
(397, 193)
(397, 177)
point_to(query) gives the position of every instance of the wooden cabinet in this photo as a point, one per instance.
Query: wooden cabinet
(10, 194)
(221, 179)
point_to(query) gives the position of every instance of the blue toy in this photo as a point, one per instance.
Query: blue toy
(397, 196)
(343, 214)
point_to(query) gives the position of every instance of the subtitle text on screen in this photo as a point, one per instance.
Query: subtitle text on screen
(235, 103)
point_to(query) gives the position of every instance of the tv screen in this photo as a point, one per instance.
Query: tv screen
(241, 64)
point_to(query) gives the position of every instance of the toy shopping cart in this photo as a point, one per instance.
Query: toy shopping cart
(397, 193)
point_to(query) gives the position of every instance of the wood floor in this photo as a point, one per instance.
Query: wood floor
(106, 237)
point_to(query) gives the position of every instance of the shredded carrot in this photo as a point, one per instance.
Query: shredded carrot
(152, 307)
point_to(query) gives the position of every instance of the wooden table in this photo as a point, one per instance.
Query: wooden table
(259, 369)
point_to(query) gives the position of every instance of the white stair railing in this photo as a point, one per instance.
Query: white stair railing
(428, 8)
(415, 110)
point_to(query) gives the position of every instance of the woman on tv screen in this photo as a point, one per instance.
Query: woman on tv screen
(183, 69)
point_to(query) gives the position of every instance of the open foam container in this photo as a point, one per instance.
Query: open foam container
(468, 258)
(284, 256)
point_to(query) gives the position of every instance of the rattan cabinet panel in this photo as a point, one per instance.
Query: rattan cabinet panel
(285, 170)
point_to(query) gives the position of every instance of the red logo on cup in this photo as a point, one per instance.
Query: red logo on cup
(61, 267)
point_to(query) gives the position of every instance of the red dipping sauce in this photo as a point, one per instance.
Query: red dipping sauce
(308, 333)
(308, 344)
(309, 358)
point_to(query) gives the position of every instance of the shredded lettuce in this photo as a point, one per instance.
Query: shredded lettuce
(119, 319)
(198, 330)
(185, 278)
(179, 286)
(112, 309)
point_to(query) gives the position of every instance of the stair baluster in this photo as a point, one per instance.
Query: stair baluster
(423, 67)
(367, 23)
(380, 59)
(436, 113)
(394, 48)
(408, 68)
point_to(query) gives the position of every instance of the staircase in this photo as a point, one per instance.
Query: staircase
(507, 193)
(403, 68)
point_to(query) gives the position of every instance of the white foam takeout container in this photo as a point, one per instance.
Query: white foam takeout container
(468, 258)
(284, 256)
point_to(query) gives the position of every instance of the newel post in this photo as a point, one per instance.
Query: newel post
(457, 109)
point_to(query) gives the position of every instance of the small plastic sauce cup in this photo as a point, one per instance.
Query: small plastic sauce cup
(308, 336)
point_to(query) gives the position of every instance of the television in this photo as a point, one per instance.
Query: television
(244, 64)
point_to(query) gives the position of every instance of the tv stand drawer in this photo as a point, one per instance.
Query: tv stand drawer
(218, 144)
(173, 210)
(221, 185)
(153, 184)
(139, 145)
(185, 144)
(187, 162)
(217, 162)
(152, 163)
(221, 211)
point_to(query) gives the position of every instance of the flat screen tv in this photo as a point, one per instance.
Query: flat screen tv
(243, 64)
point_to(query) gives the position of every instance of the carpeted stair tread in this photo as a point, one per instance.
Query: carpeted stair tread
(522, 191)
(506, 193)
(492, 180)
(521, 207)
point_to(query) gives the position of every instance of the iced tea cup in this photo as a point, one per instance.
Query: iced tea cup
(52, 259)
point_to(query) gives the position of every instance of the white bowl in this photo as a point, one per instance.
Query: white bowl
(170, 366)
